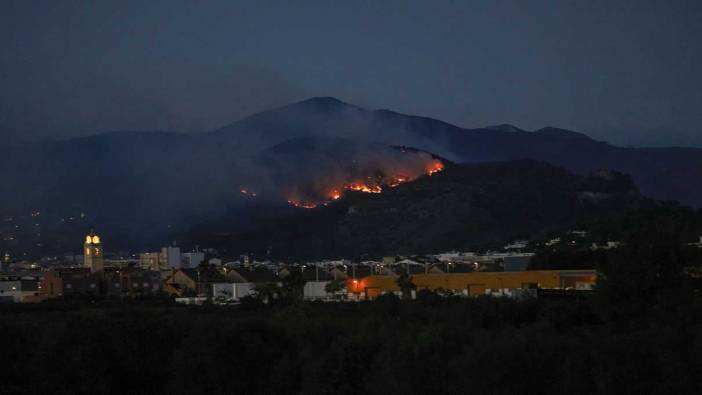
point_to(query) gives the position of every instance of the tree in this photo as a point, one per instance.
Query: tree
(652, 262)
(293, 288)
(266, 292)
(335, 286)
(404, 281)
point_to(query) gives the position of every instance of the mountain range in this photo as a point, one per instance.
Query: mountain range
(140, 188)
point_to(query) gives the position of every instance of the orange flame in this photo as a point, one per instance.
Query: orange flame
(395, 181)
(363, 188)
(371, 185)
(434, 166)
(300, 204)
(334, 194)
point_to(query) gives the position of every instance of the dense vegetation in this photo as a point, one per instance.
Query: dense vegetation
(666, 230)
(430, 346)
(119, 180)
(641, 332)
(464, 207)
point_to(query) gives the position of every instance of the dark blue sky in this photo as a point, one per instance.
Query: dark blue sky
(628, 72)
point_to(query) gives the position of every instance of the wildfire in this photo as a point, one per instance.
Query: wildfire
(387, 176)
(395, 181)
(363, 188)
(300, 204)
(434, 166)
(334, 194)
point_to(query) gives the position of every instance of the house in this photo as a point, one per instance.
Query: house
(132, 283)
(192, 282)
(19, 289)
(79, 282)
(609, 246)
(181, 283)
(517, 245)
(110, 283)
(316, 281)
(231, 292)
(190, 260)
(236, 283)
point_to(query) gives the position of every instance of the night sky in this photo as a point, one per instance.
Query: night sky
(627, 72)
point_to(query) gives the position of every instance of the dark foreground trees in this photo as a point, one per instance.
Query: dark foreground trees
(431, 345)
(641, 333)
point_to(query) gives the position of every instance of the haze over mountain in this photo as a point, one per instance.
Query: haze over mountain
(464, 207)
(663, 173)
(140, 187)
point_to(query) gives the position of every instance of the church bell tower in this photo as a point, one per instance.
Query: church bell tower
(93, 253)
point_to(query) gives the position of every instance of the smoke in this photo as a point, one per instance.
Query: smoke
(312, 171)
(151, 184)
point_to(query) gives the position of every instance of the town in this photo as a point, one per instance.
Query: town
(200, 276)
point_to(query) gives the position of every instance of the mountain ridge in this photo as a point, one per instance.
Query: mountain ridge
(466, 206)
(168, 180)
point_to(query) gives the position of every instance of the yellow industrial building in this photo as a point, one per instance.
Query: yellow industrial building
(477, 283)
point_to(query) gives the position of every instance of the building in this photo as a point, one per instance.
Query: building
(243, 281)
(517, 245)
(172, 257)
(167, 258)
(94, 254)
(231, 292)
(152, 261)
(192, 260)
(316, 281)
(19, 289)
(132, 283)
(478, 283)
(70, 283)
(182, 283)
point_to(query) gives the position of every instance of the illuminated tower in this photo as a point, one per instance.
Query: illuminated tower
(94, 254)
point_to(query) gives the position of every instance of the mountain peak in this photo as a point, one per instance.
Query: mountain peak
(505, 127)
(325, 103)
